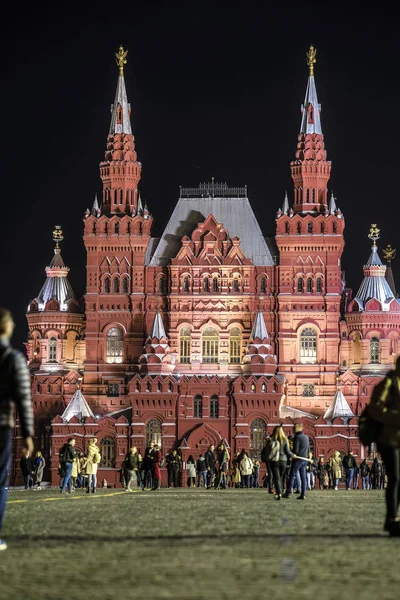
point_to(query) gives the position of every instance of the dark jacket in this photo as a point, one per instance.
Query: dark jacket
(132, 461)
(349, 462)
(67, 453)
(15, 390)
(26, 465)
(210, 459)
(201, 465)
(321, 470)
(173, 462)
(376, 468)
(301, 444)
(364, 469)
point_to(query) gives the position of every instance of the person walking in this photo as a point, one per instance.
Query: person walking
(301, 447)
(364, 473)
(335, 464)
(147, 468)
(157, 460)
(376, 473)
(174, 462)
(278, 453)
(191, 472)
(26, 465)
(321, 473)
(202, 472)
(67, 455)
(15, 396)
(93, 459)
(38, 467)
(349, 465)
(246, 470)
(223, 466)
(310, 470)
(132, 465)
(211, 466)
(255, 483)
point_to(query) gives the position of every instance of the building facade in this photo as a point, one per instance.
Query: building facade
(213, 331)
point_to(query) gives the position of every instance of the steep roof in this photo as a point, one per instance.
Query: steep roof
(235, 214)
(374, 284)
(339, 407)
(311, 125)
(56, 286)
(77, 407)
(120, 123)
(259, 328)
(157, 329)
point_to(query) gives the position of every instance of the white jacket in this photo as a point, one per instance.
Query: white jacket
(246, 466)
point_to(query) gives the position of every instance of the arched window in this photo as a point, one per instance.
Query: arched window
(107, 450)
(374, 350)
(322, 227)
(234, 345)
(309, 285)
(114, 345)
(300, 285)
(210, 345)
(214, 407)
(334, 227)
(107, 285)
(206, 284)
(215, 285)
(116, 285)
(309, 227)
(308, 346)
(197, 407)
(116, 228)
(52, 349)
(263, 285)
(257, 437)
(153, 432)
(357, 348)
(235, 285)
(319, 285)
(298, 227)
(186, 284)
(161, 285)
(125, 285)
(184, 345)
(287, 227)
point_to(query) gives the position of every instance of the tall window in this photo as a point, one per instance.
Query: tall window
(257, 437)
(235, 285)
(309, 285)
(215, 285)
(107, 451)
(374, 350)
(319, 285)
(263, 285)
(198, 407)
(308, 346)
(210, 345)
(214, 407)
(153, 432)
(161, 285)
(206, 284)
(107, 285)
(116, 285)
(52, 349)
(186, 284)
(300, 285)
(184, 345)
(234, 345)
(125, 285)
(114, 345)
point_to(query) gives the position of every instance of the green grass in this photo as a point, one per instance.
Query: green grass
(197, 544)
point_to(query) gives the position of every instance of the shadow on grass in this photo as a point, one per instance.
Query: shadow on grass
(182, 538)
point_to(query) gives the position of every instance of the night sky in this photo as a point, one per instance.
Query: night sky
(215, 90)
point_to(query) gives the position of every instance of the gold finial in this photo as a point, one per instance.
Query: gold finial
(389, 253)
(58, 235)
(121, 59)
(374, 233)
(311, 60)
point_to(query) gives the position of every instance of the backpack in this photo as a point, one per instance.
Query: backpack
(62, 454)
(273, 450)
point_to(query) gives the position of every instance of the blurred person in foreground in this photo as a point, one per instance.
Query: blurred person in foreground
(15, 391)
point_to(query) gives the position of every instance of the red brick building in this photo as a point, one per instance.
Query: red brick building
(213, 331)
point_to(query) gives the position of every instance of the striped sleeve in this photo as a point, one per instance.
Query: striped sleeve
(21, 393)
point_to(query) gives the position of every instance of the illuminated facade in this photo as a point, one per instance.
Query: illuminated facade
(213, 331)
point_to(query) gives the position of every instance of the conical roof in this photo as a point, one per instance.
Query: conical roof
(77, 407)
(285, 207)
(311, 125)
(157, 329)
(374, 285)
(120, 110)
(56, 286)
(339, 408)
(259, 328)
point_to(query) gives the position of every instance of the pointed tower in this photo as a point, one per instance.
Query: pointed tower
(310, 242)
(310, 169)
(55, 319)
(157, 357)
(120, 171)
(339, 407)
(259, 358)
(77, 407)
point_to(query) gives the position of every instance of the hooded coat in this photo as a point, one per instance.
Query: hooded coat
(93, 459)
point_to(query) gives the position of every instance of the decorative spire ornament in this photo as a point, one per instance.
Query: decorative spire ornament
(58, 235)
(389, 253)
(311, 59)
(374, 234)
(120, 58)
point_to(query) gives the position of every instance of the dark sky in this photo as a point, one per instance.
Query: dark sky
(215, 89)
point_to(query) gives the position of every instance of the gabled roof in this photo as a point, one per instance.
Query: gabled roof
(339, 408)
(77, 407)
(235, 214)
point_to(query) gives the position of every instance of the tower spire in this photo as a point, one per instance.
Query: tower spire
(121, 109)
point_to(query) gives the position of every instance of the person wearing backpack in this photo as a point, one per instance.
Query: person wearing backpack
(278, 453)
(301, 447)
(349, 465)
(364, 472)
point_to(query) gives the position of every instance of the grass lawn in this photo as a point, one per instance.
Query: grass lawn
(232, 544)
